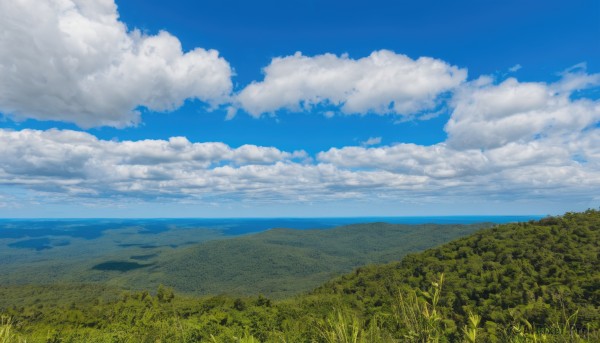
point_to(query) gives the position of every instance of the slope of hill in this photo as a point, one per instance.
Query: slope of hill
(276, 263)
(282, 262)
(536, 271)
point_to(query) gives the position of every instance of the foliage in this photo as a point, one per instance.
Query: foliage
(419, 316)
(538, 271)
(522, 282)
(277, 263)
(282, 262)
(6, 331)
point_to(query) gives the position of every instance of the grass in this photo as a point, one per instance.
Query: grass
(7, 334)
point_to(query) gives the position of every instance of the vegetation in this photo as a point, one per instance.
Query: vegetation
(536, 271)
(277, 263)
(524, 282)
(283, 262)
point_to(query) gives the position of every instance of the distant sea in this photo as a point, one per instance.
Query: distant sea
(245, 226)
(228, 226)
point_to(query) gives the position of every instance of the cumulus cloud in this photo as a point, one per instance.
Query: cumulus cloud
(77, 164)
(507, 141)
(511, 172)
(74, 61)
(518, 139)
(382, 83)
(71, 160)
(487, 115)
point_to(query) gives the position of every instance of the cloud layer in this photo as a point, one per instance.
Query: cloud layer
(82, 65)
(506, 141)
(382, 83)
(78, 163)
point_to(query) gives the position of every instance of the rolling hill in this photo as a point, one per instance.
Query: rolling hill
(278, 262)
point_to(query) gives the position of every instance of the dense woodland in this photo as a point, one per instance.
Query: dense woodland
(524, 282)
(280, 263)
(277, 263)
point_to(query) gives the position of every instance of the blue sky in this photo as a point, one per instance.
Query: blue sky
(298, 108)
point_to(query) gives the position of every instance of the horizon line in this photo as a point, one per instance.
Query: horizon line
(290, 217)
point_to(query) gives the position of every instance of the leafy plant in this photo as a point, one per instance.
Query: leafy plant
(7, 334)
(419, 316)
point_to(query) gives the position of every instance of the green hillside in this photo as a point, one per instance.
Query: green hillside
(276, 263)
(537, 271)
(525, 282)
(282, 262)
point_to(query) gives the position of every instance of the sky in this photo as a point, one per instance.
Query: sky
(298, 108)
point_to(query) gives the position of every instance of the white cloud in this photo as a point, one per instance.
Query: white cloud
(74, 61)
(515, 68)
(382, 83)
(576, 78)
(513, 139)
(512, 172)
(435, 161)
(371, 141)
(488, 115)
(72, 161)
(77, 165)
(507, 141)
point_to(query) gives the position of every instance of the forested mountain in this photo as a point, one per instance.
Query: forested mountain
(284, 262)
(538, 271)
(277, 263)
(525, 282)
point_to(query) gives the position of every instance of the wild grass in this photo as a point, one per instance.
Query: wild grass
(420, 320)
(7, 334)
(415, 317)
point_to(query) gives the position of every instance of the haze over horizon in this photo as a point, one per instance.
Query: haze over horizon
(298, 109)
